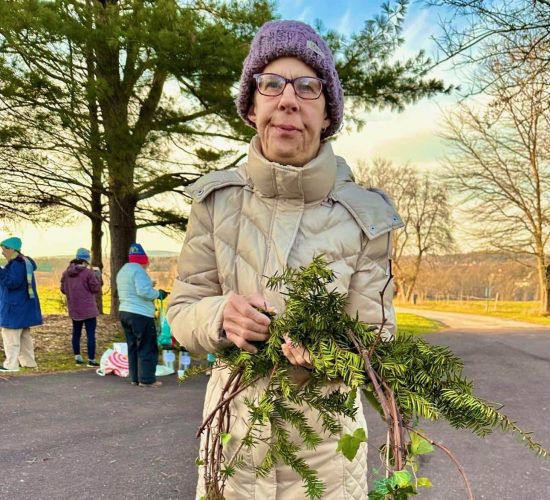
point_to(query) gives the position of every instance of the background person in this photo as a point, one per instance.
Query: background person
(80, 284)
(19, 306)
(137, 315)
(292, 200)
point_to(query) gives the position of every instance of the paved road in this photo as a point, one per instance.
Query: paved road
(474, 322)
(82, 436)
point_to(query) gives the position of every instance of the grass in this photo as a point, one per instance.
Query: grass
(53, 350)
(518, 310)
(52, 301)
(411, 324)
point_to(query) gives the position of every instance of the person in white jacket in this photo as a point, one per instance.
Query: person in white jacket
(292, 200)
(137, 315)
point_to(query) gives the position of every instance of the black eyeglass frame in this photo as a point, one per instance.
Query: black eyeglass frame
(256, 77)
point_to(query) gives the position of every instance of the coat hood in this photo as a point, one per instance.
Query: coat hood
(75, 269)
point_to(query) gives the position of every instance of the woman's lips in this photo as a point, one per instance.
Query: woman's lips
(287, 128)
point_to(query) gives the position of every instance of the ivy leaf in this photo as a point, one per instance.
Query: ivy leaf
(349, 445)
(424, 481)
(350, 401)
(419, 445)
(225, 437)
(400, 478)
(199, 461)
(371, 398)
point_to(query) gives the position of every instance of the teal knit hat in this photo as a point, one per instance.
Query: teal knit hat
(14, 243)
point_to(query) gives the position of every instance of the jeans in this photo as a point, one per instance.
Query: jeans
(141, 337)
(90, 326)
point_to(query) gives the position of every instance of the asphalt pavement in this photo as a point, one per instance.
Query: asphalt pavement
(78, 435)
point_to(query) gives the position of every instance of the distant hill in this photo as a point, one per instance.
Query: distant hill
(468, 275)
(162, 268)
(474, 275)
(162, 253)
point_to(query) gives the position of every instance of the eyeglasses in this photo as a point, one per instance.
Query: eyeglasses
(306, 87)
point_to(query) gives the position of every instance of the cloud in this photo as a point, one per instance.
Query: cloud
(305, 15)
(345, 25)
(418, 30)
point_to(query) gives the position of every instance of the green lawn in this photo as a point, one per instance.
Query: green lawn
(521, 311)
(52, 301)
(411, 324)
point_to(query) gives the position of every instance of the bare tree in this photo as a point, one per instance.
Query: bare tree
(423, 205)
(501, 160)
(472, 31)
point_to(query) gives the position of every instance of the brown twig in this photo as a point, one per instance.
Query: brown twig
(450, 455)
(384, 319)
(223, 401)
(386, 398)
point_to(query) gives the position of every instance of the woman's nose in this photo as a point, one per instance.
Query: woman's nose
(288, 99)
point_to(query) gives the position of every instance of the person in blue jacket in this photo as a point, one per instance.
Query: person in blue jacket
(19, 306)
(136, 293)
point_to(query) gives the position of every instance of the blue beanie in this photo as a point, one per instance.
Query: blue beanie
(83, 254)
(136, 249)
(14, 243)
(137, 255)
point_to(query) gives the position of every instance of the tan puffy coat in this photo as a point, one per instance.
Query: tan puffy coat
(250, 223)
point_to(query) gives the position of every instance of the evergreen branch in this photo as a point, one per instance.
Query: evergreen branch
(404, 378)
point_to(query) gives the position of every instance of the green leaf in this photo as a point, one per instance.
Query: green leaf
(225, 437)
(424, 481)
(419, 445)
(199, 461)
(400, 478)
(349, 445)
(371, 398)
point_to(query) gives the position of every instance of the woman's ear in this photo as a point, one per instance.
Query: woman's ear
(326, 122)
(252, 113)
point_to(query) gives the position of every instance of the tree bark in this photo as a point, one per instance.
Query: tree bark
(97, 257)
(122, 230)
(544, 287)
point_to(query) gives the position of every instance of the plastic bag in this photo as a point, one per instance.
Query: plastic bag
(113, 363)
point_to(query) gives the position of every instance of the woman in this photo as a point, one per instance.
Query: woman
(80, 284)
(292, 200)
(19, 306)
(137, 315)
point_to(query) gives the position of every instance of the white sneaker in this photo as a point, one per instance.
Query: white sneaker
(8, 369)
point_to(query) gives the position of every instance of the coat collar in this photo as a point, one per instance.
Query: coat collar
(312, 182)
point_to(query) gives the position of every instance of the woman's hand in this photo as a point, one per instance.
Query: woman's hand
(243, 323)
(297, 355)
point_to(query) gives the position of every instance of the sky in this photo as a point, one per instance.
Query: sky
(407, 137)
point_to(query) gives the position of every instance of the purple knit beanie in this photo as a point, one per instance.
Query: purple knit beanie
(277, 39)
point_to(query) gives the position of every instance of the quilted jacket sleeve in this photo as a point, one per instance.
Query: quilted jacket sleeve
(196, 305)
(368, 281)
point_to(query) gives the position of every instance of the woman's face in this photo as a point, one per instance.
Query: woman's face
(8, 253)
(289, 127)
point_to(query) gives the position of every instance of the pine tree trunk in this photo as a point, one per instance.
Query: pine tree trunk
(122, 230)
(97, 256)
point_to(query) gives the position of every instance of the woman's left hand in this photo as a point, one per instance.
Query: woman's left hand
(297, 355)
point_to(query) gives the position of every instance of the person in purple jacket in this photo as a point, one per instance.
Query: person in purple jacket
(80, 284)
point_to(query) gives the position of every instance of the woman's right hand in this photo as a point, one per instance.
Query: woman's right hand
(243, 323)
